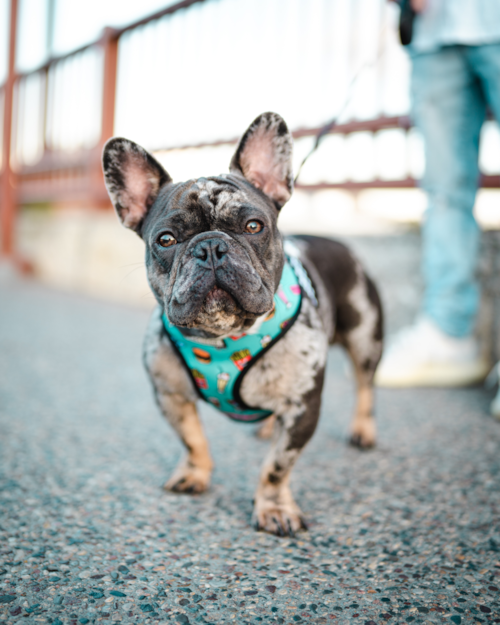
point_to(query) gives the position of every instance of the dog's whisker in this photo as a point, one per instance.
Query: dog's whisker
(131, 272)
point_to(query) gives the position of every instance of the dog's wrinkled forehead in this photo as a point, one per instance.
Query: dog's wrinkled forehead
(216, 196)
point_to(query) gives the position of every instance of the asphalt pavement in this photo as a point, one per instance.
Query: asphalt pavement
(406, 533)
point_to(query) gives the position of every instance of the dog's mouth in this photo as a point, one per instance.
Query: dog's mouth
(220, 314)
(217, 297)
(218, 300)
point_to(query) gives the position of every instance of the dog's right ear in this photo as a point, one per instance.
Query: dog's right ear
(133, 179)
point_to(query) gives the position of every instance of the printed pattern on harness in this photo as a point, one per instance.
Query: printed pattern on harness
(218, 368)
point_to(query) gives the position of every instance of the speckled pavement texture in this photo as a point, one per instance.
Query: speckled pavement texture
(407, 533)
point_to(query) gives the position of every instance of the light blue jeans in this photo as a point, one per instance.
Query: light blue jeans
(451, 88)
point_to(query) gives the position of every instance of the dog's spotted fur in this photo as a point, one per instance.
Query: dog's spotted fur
(218, 280)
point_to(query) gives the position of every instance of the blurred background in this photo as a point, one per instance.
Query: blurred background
(185, 80)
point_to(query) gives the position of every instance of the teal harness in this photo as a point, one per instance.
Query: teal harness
(217, 368)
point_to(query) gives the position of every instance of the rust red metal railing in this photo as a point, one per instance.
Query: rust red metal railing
(76, 177)
(59, 177)
(7, 193)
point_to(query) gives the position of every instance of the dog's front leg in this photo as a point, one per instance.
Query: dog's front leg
(275, 510)
(193, 473)
(176, 398)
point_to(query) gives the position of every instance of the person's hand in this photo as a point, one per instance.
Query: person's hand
(419, 5)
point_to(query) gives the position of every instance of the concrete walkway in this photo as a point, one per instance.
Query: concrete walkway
(407, 533)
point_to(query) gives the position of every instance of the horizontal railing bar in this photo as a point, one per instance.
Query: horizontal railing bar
(42, 174)
(184, 4)
(114, 33)
(351, 185)
(45, 194)
(369, 125)
(56, 59)
(489, 182)
(486, 182)
(59, 161)
(71, 189)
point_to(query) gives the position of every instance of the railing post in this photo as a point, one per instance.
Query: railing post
(8, 191)
(109, 43)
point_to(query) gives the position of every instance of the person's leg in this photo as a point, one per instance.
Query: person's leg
(449, 108)
(485, 62)
(440, 349)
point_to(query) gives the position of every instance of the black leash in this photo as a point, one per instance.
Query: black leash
(327, 128)
(406, 19)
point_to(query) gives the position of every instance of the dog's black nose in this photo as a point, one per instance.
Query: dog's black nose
(211, 250)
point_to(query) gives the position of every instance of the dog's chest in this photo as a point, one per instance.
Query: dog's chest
(281, 379)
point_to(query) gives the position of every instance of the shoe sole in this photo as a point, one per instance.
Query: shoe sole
(435, 375)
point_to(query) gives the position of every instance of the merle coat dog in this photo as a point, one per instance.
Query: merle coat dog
(214, 258)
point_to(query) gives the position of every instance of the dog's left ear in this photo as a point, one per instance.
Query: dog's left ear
(264, 157)
(133, 179)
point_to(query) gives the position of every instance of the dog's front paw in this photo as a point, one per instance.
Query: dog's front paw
(189, 479)
(279, 519)
(363, 433)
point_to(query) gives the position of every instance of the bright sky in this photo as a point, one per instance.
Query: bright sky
(77, 23)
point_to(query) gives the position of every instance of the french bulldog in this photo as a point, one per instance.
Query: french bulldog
(214, 259)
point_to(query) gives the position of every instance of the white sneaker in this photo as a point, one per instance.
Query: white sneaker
(423, 355)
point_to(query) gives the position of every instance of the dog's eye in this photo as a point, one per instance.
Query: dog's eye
(166, 240)
(253, 227)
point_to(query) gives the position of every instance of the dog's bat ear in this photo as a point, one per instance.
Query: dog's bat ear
(133, 179)
(264, 157)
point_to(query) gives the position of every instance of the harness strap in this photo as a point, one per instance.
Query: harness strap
(218, 367)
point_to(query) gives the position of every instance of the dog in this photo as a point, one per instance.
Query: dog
(215, 262)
